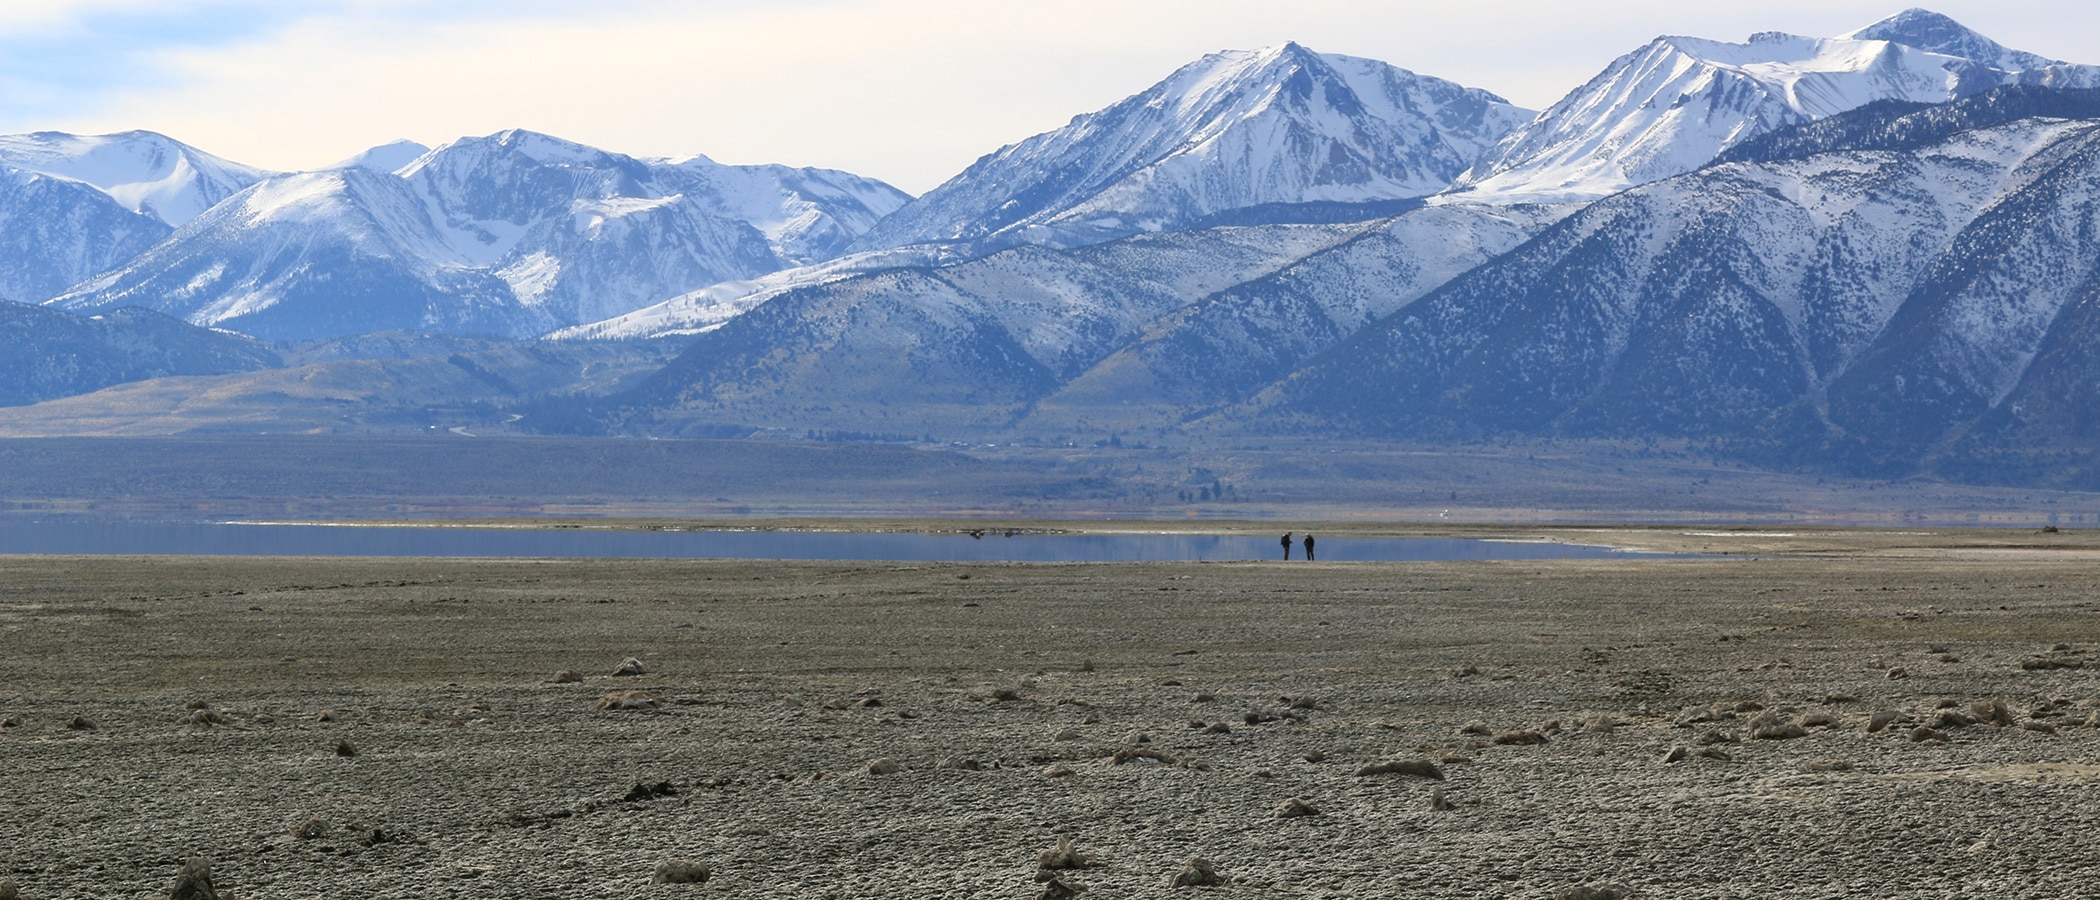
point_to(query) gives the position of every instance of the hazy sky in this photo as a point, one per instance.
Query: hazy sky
(905, 90)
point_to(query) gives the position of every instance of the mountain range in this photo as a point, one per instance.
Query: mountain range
(1871, 252)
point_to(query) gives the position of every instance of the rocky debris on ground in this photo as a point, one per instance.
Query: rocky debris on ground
(310, 829)
(1520, 738)
(643, 792)
(80, 723)
(1143, 755)
(194, 881)
(1058, 770)
(882, 767)
(629, 668)
(1439, 802)
(1199, 872)
(681, 871)
(1058, 889)
(1770, 726)
(1063, 857)
(8, 891)
(1418, 768)
(960, 764)
(1295, 808)
(641, 701)
(1595, 892)
(344, 749)
(566, 676)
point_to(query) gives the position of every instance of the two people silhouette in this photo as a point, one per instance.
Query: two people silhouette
(1308, 547)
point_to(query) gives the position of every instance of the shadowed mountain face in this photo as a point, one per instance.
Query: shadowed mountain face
(1881, 300)
(45, 353)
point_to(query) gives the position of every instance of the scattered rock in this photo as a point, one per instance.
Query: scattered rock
(1818, 720)
(627, 700)
(343, 749)
(567, 676)
(629, 668)
(1520, 738)
(10, 722)
(1205, 698)
(1006, 695)
(80, 723)
(204, 718)
(1770, 727)
(2048, 663)
(1295, 808)
(8, 891)
(1059, 858)
(681, 871)
(1056, 889)
(1440, 803)
(1142, 755)
(882, 767)
(1881, 719)
(1419, 768)
(1820, 766)
(2039, 727)
(1198, 873)
(1953, 718)
(1315, 756)
(961, 764)
(194, 881)
(1840, 697)
(643, 791)
(1715, 753)
(1676, 754)
(1218, 728)
(1595, 892)
(1994, 712)
(1058, 770)
(310, 829)
(1069, 734)
(1479, 728)
(1921, 734)
(1898, 672)
(326, 715)
(869, 702)
(1714, 736)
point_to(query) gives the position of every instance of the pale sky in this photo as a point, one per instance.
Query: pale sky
(909, 91)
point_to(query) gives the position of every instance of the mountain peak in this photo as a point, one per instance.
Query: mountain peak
(1928, 30)
(1235, 129)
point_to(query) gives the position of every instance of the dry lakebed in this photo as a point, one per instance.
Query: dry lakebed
(1839, 714)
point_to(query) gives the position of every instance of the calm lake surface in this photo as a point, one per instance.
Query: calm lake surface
(107, 537)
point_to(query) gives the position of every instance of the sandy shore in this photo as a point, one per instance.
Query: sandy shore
(1547, 694)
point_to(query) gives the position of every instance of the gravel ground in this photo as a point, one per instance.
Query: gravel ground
(224, 695)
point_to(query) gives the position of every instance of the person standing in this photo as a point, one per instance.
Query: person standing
(1308, 548)
(1286, 546)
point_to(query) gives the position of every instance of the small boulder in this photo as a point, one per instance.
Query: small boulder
(1922, 734)
(1419, 768)
(629, 668)
(1295, 808)
(681, 871)
(566, 676)
(344, 749)
(882, 767)
(1198, 873)
(81, 723)
(310, 829)
(1059, 858)
(627, 700)
(1520, 738)
(8, 891)
(1882, 719)
(1056, 889)
(1439, 802)
(961, 764)
(194, 882)
(1058, 770)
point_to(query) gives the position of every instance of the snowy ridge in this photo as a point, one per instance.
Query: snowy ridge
(145, 172)
(512, 234)
(1675, 104)
(1232, 130)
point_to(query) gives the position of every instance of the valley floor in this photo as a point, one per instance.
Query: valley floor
(1549, 695)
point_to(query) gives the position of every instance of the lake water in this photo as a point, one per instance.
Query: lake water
(111, 537)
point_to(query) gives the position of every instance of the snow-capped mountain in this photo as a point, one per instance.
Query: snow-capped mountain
(1677, 103)
(512, 234)
(56, 231)
(388, 157)
(1237, 129)
(965, 345)
(144, 172)
(1881, 295)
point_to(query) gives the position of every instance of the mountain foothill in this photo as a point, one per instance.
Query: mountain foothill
(1876, 253)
